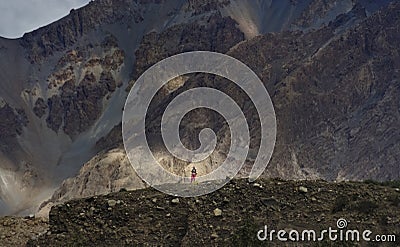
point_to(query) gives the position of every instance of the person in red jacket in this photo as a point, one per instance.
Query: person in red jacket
(194, 173)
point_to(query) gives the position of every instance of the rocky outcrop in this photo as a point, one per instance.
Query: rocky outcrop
(106, 172)
(65, 33)
(40, 107)
(13, 120)
(78, 104)
(219, 34)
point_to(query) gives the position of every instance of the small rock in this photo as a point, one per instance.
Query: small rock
(175, 200)
(111, 203)
(154, 200)
(257, 185)
(168, 215)
(217, 212)
(303, 189)
(31, 216)
(270, 202)
(214, 235)
(92, 208)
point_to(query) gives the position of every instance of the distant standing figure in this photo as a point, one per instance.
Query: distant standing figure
(194, 173)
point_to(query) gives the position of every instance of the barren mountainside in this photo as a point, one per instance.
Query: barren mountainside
(331, 68)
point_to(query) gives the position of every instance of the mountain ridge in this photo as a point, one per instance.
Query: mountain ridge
(63, 86)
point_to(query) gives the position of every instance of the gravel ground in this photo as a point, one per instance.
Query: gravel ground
(16, 231)
(231, 216)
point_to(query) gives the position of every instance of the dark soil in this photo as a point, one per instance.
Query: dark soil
(150, 218)
(16, 231)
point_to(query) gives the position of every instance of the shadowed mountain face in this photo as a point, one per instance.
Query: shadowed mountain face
(331, 69)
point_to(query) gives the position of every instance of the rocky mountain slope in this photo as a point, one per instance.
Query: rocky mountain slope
(63, 87)
(336, 98)
(230, 216)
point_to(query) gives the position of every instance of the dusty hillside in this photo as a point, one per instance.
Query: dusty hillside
(227, 217)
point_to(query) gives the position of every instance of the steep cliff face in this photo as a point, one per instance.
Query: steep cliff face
(63, 87)
(336, 99)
